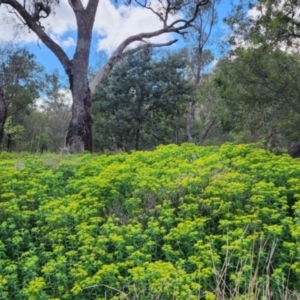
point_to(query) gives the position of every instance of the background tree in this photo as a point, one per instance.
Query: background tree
(21, 81)
(32, 15)
(275, 21)
(142, 103)
(46, 126)
(199, 54)
(260, 90)
(206, 127)
(58, 112)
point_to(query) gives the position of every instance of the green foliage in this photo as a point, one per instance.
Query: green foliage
(279, 24)
(265, 22)
(47, 124)
(181, 222)
(259, 80)
(259, 92)
(141, 104)
(206, 129)
(14, 131)
(21, 79)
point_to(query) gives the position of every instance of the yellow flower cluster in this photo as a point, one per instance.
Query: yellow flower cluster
(180, 222)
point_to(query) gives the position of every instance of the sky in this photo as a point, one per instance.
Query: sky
(112, 25)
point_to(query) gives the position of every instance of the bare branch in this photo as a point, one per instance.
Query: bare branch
(91, 10)
(188, 23)
(34, 26)
(171, 8)
(144, 5)
(38, 8)
(11, 11)
(116, 57)
(147, 45)
(119, 52)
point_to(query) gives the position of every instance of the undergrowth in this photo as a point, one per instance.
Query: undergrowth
(180, 222)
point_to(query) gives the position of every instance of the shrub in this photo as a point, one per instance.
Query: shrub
(181, 222)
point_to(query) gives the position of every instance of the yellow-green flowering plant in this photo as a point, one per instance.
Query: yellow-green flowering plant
(180, 222)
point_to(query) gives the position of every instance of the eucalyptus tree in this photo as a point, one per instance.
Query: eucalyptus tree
(169, 12)
(3, 114)
(199, 53)
(57, 110)
(206, 128)
(46, 126)
(21, 81)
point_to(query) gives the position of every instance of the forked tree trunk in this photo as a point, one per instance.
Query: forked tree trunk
(79, 136)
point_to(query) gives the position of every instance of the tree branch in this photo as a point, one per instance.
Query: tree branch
(119, 52)
(188, 23)
(147, 45)
(76, 5)
(159, 15)
(34, 26)
(207, 130)
(116, 57)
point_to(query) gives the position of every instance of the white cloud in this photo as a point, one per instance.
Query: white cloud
(259, 11)
(214, 63)
(58, 23)
(12, 30)
(64, 43)
(69, 42)
(64, 95)
(112, 25)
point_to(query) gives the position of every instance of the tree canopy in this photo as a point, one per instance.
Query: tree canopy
(141, 104)
(21, 82)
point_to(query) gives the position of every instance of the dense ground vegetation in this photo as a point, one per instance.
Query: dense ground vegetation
(181, 222)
